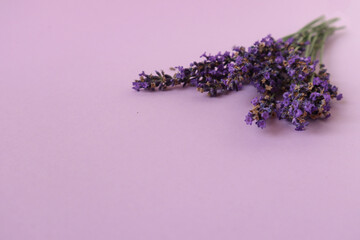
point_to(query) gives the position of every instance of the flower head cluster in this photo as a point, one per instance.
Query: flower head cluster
(285, 72)
(212, 74)
(308, 99)
(264, 108)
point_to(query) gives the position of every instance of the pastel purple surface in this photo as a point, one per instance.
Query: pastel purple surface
(83, 156)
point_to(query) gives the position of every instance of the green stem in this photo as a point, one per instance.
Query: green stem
(307, 51)
(307, 26)
(316, 32)
(312, 45)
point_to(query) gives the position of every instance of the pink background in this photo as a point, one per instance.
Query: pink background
(83, 156)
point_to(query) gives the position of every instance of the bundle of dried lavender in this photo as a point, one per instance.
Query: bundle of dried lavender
(284, 72)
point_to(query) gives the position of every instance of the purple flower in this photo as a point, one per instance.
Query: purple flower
(238, 60)
(253, 50)
(231, 68)
(291, 61)
(267, 75)
(298, 113)
(291, 72)
(249, 119)
(181, 74)
(317, 81)
(314, 95)
(292, 87)
(308, 107)
(137, 86)
(327, 98)
(339, 97)
(203, 55)
(286, 102)
(244, 69)
(255, 101)
(212, 58)
(265, 115)
(295, 104)
(290, 41)
(279, 59)
(261, 124)
(276, 68)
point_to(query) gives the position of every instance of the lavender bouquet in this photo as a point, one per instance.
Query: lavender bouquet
(288, 74)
